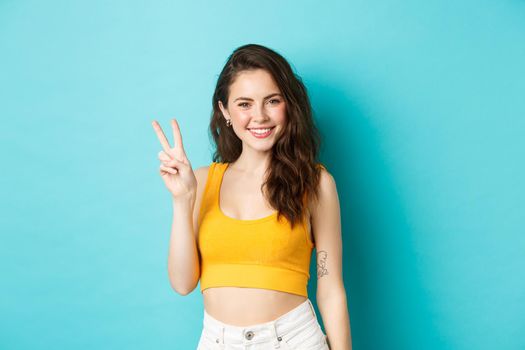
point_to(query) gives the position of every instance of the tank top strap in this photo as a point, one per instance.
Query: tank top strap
(211, 189)
(214, 182)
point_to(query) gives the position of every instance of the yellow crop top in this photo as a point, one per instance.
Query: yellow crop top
(259, 253)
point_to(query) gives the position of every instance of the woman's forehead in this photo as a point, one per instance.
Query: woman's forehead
(257, 83)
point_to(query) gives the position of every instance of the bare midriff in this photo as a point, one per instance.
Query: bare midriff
(239, 306)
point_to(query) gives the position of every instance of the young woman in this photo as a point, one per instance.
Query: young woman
(245, 226)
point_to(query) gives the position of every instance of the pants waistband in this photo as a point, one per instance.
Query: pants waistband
(301, 315)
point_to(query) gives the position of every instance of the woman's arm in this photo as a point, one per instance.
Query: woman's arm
(183, 256)
(331, 293)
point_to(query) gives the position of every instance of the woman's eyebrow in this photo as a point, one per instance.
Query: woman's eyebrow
(251, 99)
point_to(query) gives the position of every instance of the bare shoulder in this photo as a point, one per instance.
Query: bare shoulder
(201, 173)
(327, 182)
(327, 189)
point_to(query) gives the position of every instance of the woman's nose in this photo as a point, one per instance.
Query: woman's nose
(259, 114)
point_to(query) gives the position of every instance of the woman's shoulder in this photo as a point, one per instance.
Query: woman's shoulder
(327, 184)
(202, 169)
(201, 173)
(326, 190)
(206, 168)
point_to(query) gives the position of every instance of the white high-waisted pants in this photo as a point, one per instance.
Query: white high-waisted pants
(297, 329)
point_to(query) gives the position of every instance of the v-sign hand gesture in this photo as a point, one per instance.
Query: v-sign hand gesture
(175, 168)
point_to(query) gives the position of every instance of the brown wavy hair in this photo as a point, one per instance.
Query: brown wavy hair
(294, 171)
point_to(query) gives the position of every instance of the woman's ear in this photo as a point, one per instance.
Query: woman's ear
(224, 111)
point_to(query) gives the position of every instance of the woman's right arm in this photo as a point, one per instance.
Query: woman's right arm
(182, 183)
(183, 256)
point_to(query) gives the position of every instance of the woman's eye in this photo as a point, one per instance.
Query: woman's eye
(275, 100)
(244, 104)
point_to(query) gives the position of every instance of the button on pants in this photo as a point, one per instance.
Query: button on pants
(296, 329)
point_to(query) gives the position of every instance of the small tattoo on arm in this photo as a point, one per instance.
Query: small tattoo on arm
(321, 263)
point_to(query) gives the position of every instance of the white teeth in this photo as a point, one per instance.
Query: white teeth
(260, 131)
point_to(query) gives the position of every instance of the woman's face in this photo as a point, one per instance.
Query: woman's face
(255, 103)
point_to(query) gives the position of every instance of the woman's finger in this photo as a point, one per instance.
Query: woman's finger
(164, 156)
(168, 169)
(173, 163)
(160, 135)
(177, 140)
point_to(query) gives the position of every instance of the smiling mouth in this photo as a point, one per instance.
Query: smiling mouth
(261, 132)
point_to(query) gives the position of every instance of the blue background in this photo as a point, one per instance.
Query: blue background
(421, 105)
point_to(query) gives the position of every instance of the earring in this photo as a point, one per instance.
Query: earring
(228, 122)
